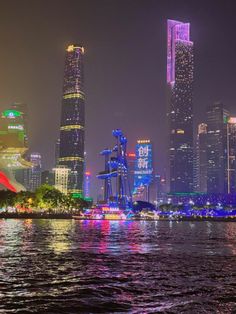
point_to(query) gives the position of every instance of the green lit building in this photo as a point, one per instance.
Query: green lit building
(12, 145)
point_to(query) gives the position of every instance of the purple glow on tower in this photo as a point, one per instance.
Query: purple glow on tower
(177, 32)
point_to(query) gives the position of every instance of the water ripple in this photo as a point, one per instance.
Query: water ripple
(63, 266)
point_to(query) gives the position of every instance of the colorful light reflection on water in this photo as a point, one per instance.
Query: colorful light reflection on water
(65, 266)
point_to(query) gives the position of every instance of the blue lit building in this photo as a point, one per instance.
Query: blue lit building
(143, 170)
(87, 183)
(217, 118)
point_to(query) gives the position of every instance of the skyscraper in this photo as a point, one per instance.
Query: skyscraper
(217, 118)
(180, 112)
(131, 159)
(13, 146)
(22, 175)
(87, 183)
(71, 152)
(201, 158)
(143, 170)
(231, 155)
(47, 177)
(35, 172)
(61, 175)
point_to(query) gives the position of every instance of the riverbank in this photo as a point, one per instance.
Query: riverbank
(70, 216)
(35, 216)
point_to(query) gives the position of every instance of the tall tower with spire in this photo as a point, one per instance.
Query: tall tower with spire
(71, 152)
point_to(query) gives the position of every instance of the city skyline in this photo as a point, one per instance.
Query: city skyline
(111, 52)
(117, 156)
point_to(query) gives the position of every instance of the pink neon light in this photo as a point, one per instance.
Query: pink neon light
(5, 182)
(176, 32)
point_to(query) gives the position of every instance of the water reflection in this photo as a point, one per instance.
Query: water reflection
(61, 234)
(64, 266)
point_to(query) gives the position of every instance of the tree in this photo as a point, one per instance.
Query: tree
(48, 197)
(24, 199)
(7, 198)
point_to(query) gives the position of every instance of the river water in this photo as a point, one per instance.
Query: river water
(65, 266)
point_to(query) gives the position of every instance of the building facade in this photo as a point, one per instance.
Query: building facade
(217, 118)
(71, 153)
(34, 173)
(180, 68)
(22, 175)
(87, 184)
(47, 177)
(231, 155)
(57, 152)
(131, 159)
(61, 175)
(13, 147)
(143, 170)
(201, 159)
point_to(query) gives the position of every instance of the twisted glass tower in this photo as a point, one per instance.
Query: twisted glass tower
(180, 112)
(71, 152)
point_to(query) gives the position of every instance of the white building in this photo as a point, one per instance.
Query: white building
(61, 178)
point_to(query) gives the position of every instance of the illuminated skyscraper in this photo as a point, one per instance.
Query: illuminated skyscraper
(131, 160)
(61, 175)
(201, 159)
(231, 155)
(217, 118)
(143, 170)
(22, 175)
(71, 152)
(35, 172)
(180, 112)
(47, 177)
(13, 146)
(87, 183)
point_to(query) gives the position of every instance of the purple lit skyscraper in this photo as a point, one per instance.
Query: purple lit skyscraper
(180, 112)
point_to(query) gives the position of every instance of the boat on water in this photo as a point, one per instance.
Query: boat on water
(105, 212)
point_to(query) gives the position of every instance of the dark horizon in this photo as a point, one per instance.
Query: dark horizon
(125, 66)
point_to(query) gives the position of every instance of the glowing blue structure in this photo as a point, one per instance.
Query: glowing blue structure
(116, 167)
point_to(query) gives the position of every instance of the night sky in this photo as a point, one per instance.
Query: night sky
(125, 65)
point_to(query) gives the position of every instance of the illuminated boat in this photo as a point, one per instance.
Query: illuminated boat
(103, 211)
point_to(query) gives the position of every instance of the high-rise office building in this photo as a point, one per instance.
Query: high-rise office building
(61, 175)
(131, 159)
(34, 174)
(231, 155)
(71, 152)
(87, 184)
(47, 177)
(13, 147)
(22, 175)
(161, 194)
(201, 159)
(143, 170)
(217, 118)
(180, 68)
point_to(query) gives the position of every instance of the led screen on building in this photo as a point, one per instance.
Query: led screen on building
(143, 164)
